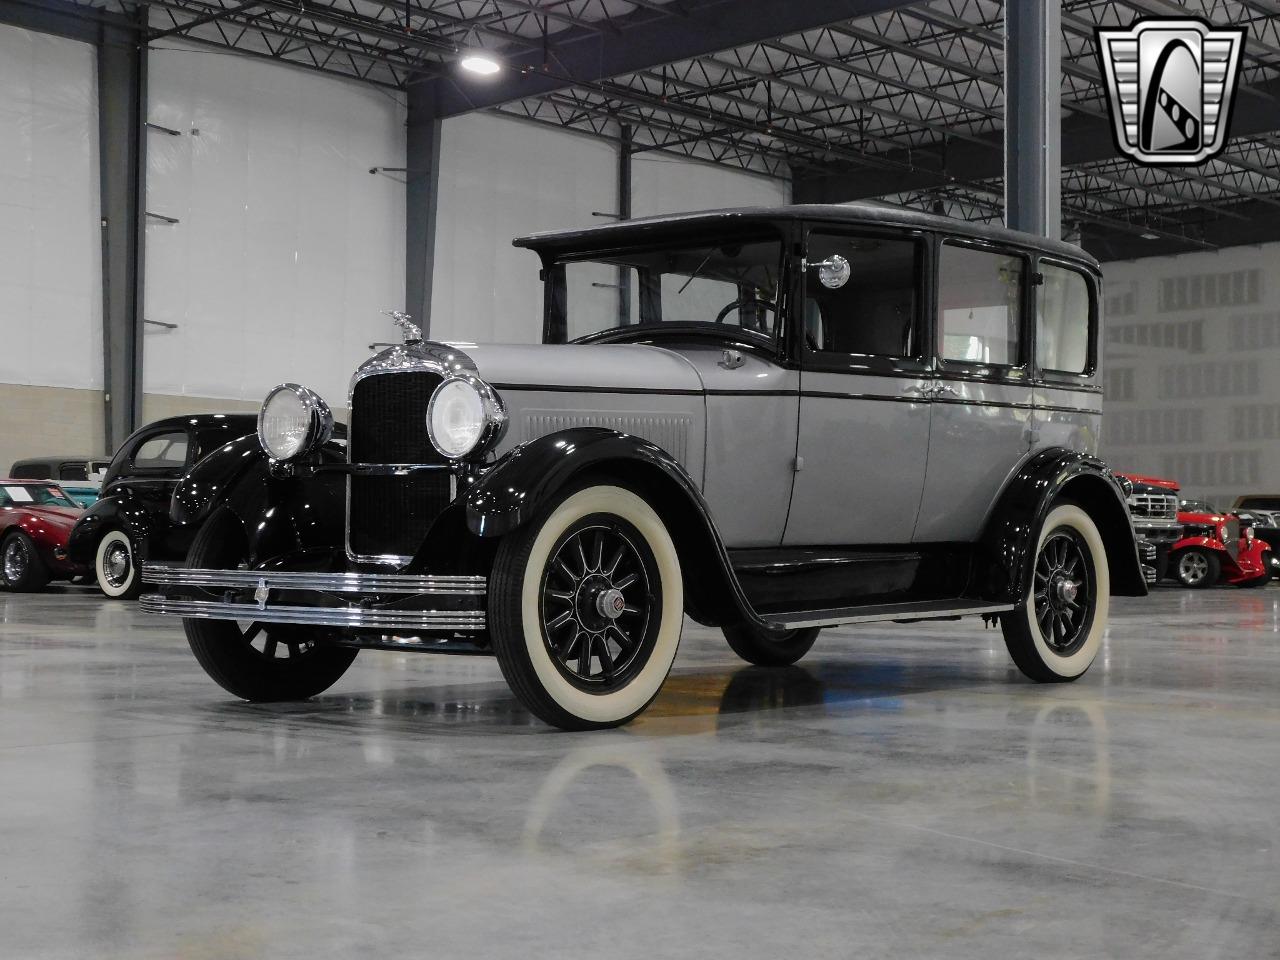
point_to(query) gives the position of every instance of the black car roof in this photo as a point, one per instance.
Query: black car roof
(205, 421)
(867, 214)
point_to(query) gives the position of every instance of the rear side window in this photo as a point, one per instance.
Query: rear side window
(168, 451)
(32, 471)
(73, 471)
(979, 305)
(1063, 314)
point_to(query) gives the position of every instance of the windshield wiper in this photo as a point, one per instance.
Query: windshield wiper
(693, 276)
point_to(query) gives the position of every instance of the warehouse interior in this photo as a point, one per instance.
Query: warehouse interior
(203, 199)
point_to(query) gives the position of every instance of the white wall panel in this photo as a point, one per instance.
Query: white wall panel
(499, 179)
(50, 240)
(287, 248)
(670, 185)
(1192, 367)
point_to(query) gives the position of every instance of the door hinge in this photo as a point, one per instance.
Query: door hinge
(798, 464)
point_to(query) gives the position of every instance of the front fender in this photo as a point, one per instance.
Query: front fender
(1007, 547)
(207, 484)
(530, 476)
(116, 512)
(523, 481)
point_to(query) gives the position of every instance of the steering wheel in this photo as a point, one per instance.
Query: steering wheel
(738, 304)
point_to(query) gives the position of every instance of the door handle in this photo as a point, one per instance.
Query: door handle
(946, 388)
(924, 391)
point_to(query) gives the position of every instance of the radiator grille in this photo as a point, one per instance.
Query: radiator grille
(1153, 506)
(389, 419)
(391, 515)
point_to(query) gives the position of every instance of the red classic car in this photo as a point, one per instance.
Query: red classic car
(1204, 555)
(35, 519)
(1209, 547)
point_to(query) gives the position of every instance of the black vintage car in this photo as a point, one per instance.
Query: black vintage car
(130, 522)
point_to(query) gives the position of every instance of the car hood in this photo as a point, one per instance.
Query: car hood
(612, 368)
(56, 516)
(1214, 518)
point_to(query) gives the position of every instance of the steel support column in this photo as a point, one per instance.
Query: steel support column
(122, 161)
(625, 150)
(1033, 117)
(422, 178)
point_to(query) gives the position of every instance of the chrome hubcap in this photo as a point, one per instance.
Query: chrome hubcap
(15, 560)
(611, 604)
(115, 565)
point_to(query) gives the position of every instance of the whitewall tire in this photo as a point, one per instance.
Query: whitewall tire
(586, 604)
(115, 567)
(1056, 632)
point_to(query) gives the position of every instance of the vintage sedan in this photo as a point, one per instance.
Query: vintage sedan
(772, 420)
(129, 522)
(36, 518)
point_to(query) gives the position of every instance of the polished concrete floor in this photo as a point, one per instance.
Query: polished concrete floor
(901, 793)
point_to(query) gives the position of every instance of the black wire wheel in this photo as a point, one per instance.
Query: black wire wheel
(1062, 590)
(586, 604)
(256, 661)
(598, 609)
(1056, 632)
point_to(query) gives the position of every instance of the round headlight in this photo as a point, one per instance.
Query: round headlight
(293, 421)
(463, 417)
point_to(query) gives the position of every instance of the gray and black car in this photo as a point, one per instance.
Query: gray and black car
(770, 420)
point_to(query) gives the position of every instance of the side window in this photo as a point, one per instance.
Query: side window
(979, 305)
(73, 471)
(1062, 320)
(168, 451)
(876, 312)
(31, 471)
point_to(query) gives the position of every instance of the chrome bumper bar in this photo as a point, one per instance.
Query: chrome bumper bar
(325, 582)
(354, 616)
(372, 618)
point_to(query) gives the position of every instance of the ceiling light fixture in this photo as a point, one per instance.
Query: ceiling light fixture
(1150, 236)
(480, 63)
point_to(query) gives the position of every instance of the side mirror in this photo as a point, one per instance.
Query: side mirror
(833, 272)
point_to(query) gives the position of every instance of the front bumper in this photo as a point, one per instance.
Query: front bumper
(356, 601)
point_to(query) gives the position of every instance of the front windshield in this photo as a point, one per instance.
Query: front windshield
(722, 284)
(1198, 506)
(34, 495)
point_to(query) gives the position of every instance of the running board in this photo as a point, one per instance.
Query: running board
(928, 610)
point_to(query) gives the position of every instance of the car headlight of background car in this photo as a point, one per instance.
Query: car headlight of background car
(293, 421)
(465, 417)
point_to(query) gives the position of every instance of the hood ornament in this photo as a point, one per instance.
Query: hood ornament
(412, 332)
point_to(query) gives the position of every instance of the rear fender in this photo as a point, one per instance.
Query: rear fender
(1006, 550)
(117, 512)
